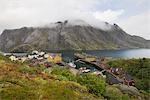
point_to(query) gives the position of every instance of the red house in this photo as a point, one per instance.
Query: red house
(128, 80)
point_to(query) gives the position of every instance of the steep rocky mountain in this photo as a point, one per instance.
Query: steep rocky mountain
(75, 34)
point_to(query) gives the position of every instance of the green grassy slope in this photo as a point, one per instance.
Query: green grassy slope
(20, 82)
(139, 69)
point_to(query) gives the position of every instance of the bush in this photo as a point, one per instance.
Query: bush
(64, 90)
(15, 88)
(63, 74)
(138, 68)
(113, 93)
(94, 84)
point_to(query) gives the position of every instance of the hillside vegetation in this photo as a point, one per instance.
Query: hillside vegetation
(138, 68)
(20, 82)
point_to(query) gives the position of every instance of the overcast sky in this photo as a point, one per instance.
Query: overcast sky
(132, 15)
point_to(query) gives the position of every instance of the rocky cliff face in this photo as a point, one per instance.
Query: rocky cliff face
(76, 35)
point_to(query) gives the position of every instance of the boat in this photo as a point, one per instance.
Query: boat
(86, 71)
(71, 64)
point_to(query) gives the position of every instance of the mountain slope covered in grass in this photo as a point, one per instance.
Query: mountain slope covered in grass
(18, 81)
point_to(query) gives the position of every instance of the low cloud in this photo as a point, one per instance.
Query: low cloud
(137, 25)
(19, 13)
(108, 15)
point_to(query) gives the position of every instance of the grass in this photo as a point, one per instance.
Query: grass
(20, 82)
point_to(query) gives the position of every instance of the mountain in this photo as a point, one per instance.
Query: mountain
(70, 34)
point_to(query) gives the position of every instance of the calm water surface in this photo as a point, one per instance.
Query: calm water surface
(126, 53)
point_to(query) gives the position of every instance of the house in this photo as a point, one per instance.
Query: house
(128, 80)
(40, 58)
(13, 58)
(116, 71)
(90, 59)
(23, 59)
(35, 52)
(47, 64)
(54, 58)
(46, 56)
(41, 53)
(30, 57)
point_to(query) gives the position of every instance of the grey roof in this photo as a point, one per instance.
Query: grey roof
(112, 79)
(128, 77)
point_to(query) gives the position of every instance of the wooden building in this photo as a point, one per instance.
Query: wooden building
(128, 80)
(54, 58)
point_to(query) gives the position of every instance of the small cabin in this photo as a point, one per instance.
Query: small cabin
(116, 71)
(35, 52)
(47, 64)
(54, 58)
(90, 59)
(13, 58)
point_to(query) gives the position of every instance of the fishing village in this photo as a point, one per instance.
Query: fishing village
(79, 64)
(82, 63)
(74, 50)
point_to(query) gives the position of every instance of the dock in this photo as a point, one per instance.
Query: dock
(99, 63)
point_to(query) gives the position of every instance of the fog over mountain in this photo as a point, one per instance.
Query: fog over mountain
(70, 35)
(135, 20)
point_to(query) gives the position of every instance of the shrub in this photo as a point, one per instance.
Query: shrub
(27, 70)
(63, 74)
(95, 84)
(113, 93)
(138, 68)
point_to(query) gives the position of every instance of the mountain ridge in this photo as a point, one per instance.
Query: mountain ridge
(74, 35)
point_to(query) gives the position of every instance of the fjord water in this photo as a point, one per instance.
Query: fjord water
(125, 53)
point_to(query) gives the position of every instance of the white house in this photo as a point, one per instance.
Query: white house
(46, 56)
(35, 52)
(13, 58)
(41, 53)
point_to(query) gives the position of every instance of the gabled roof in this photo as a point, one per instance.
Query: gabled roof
(112, 79)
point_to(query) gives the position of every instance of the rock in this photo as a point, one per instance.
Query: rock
(73, 35)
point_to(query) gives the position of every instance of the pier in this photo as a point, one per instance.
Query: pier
(99, 63)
